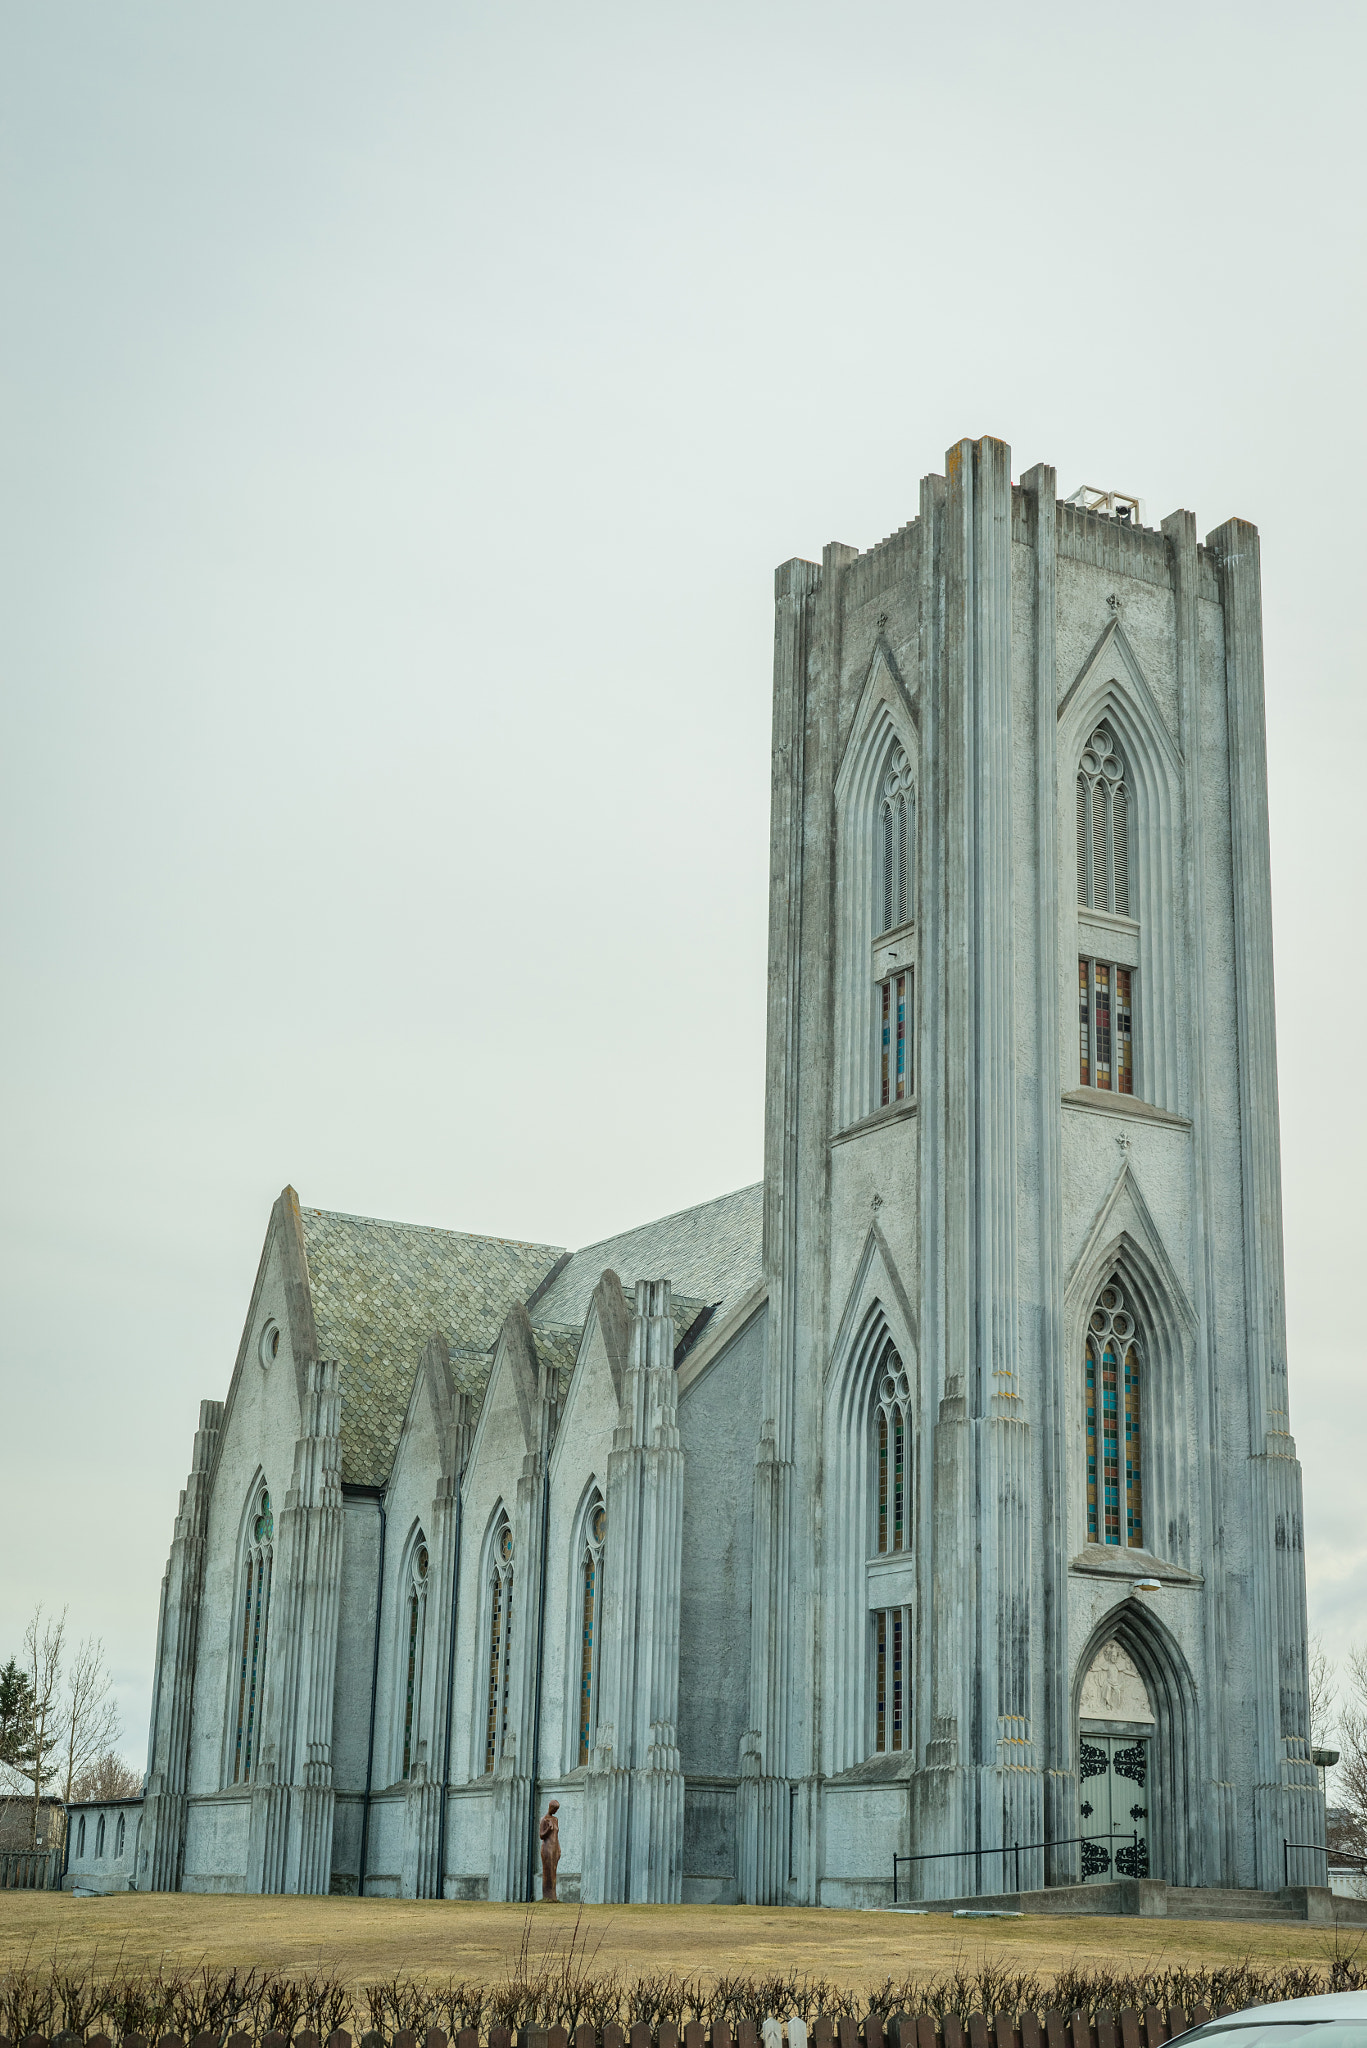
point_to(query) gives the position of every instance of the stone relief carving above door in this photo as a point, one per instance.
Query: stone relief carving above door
(1113, 1689)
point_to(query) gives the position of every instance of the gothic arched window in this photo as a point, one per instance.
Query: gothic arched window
(500, 1599)
(256, 1602)
(893, 1393)
(1105, 986)
(415, 1629)
(894, 971)
(892, 1493)
(1103, 827)
(118, 1836)
(895, 899)
(591, 1590)
(1114, 1489)
(80, 1837)
(99, 1836)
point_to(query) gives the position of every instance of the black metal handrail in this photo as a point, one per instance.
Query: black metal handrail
(1320, 1849)
(1064, 1842)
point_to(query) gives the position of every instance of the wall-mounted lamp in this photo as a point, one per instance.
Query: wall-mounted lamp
(1146, 1585)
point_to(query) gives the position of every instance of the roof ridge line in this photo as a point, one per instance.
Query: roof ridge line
(432, 1229)
(671, 1217)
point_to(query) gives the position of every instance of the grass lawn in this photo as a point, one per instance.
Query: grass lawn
(367, 1939)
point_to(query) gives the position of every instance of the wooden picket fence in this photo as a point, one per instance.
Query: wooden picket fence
(1127, 2029)
(30, 1870)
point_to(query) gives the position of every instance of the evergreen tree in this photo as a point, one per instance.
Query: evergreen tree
(16, 1717)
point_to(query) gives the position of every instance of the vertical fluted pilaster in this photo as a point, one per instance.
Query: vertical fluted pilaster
(982, 1786)
(162, 1841)
(1287, 1802)
(635, 1787)
(1179, 528)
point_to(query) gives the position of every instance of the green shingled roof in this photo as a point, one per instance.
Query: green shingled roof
(713, 1253)
(379, 1291)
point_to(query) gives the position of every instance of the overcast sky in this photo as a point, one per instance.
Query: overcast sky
(404, 409)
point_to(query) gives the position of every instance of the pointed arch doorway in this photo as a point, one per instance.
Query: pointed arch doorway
(1135, 1709)
(1116, 1725)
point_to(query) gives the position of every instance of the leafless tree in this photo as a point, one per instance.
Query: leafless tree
(1351, 1832)
(1323, 1695)
(91, 1715)
(109, 1777)
(43, 1644)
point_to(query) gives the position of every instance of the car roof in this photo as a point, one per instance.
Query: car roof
(1329, 2005)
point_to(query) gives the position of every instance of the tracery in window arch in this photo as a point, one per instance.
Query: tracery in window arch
(500, 1610)
(891, 1431)
(415, 1635)
(256, 1602)
(1111, 1371)
(591, 1592)
(895, 898)
(1103, 826)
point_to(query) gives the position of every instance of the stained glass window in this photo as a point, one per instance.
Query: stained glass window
(1105, 1026)
(591, 1574)
(408, 1692)
(895, 1026)
(881, 1682)
(1124, 1048)
(1103, 823)
(256, 1597)
(882, 1480)
(1111, 1373)
(586, 1657)
(892, 1399)
(500, 1644)
(242, 1686)
(1101, 1021)
(889, 1679)
(507, 1661)
(413, 1651)
(495, 1660)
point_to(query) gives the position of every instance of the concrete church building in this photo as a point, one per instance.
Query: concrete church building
(936, 1494)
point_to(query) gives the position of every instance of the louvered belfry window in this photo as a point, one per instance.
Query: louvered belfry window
(1103, 827)
(897, 845)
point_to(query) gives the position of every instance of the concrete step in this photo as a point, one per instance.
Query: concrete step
(1152, 1899)
(1209, 1902)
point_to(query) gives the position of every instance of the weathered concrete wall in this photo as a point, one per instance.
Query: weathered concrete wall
(260, 1428)
(719, 1418)
(103, 1862)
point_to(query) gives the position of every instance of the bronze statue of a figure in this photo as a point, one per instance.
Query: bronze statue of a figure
(550, 1849)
